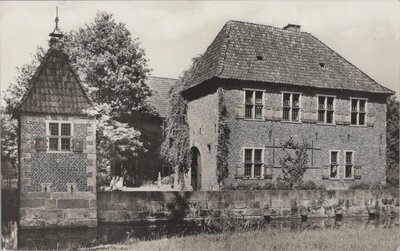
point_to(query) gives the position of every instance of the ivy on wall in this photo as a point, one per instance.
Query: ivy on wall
(222, 139)
(294, 165)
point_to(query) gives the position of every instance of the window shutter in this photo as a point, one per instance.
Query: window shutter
(309, 117)
(267, 172)
(346, 119)
(339, 119)
(370, 120)
(357, 172)
(78, 145)
(305, 117)
(277, 113)
(41, 144)
(239, 112)
(325, 172)
(239, 172)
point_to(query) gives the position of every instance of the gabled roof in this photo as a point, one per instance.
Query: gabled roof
(160, 88)
(255, 52)
(55, 88)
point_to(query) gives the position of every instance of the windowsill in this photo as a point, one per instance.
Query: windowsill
(58, 151)
(325, 124)
(348, 179)
(292, 122)
(247, 119)
(245, 178)
(334, 179)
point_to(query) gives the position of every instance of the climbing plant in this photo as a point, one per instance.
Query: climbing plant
(294, 161)
(222, 139)
(175, 149)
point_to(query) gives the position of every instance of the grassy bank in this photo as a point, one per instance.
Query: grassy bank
(342, 238)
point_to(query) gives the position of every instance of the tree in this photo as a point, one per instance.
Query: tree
(113, 69)
(392, 138)
(294, 165)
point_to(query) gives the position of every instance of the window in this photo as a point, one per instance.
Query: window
(253, 161)
(254, 104)
(334, 164)
(358, 111)
(349, 165)
(325, 109)
(291, 107)
(59, 136)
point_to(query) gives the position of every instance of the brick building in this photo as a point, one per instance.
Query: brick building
(57, 146)
(280, 83)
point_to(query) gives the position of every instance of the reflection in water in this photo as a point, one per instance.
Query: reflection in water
(74, 238)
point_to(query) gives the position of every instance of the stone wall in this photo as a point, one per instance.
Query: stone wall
(367, 142)
(56, 186)
(133, 206)
(58, 209)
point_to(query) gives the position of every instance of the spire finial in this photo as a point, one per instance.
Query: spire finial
(56, 34)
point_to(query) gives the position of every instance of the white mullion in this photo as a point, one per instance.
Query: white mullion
(325, 113)
(290, 106)
(252, 162)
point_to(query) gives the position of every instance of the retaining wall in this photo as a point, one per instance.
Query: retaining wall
(132, 206)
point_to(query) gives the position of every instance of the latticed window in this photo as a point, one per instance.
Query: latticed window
(253, 161)
(334, 164)
(291, 107)
(59, 136)
(358, 111)
(349, 165)
(254, 104)
(325, 109)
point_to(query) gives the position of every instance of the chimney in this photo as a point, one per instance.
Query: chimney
(292, 27)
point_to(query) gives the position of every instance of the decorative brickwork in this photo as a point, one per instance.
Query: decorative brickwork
(59, 169)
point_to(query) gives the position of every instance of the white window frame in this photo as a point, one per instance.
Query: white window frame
(338, 164)
(326, 109)
(253, 112)
(252, 159)
(291, 106)
(48, 136)
(345, 164)
(358, 111)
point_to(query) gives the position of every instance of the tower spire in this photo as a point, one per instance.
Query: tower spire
(56, 35)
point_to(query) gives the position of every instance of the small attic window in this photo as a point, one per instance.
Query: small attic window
(322, 65)
(259, 57)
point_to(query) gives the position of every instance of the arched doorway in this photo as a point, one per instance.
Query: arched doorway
(196, 169)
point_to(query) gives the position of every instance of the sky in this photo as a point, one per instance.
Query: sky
(366, 33)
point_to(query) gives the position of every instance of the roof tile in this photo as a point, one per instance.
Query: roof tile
(255, 52)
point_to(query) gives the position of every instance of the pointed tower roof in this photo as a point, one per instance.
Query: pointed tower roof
(55, 88)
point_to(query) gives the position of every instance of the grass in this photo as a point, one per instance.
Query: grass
(338, 238)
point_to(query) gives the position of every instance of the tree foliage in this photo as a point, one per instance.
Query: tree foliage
(294, 162)
(392, 138)
(113, 69)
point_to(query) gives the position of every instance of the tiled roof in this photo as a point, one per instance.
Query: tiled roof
(55, 88)
(255, 52)
(160, 88)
